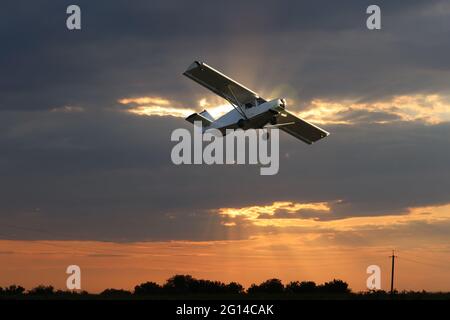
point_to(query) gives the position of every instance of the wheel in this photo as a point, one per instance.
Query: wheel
(241, 123)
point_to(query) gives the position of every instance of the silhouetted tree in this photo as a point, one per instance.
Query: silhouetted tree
(268, 286)
(12, 290)
(301, 287)
(234, 288)
(71, 293)
(41, 291)
(115, 293)
(379, 294)
(208, 287)
(335, 286)
(178, 284)
(148, 288)
(184, 284)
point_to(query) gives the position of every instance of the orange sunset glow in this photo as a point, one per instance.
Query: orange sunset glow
(312, 254)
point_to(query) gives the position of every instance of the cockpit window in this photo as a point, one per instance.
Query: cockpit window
(258, 101)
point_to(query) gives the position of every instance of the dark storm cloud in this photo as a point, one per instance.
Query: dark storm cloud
(319, 48)
(104, 174)
(108, 175)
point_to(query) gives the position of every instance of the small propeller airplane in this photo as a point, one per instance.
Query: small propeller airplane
(250, 110)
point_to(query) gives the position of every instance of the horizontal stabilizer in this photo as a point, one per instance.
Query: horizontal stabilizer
(199, 117)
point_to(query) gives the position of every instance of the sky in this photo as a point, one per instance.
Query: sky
(86, 118)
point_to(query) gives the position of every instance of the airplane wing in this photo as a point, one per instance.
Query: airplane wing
(222, 85)
(300, 128)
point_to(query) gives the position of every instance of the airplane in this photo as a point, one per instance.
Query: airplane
(250, 111)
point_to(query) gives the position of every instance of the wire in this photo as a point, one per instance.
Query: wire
(426, 263)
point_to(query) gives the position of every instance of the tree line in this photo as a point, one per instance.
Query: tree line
(186, 285)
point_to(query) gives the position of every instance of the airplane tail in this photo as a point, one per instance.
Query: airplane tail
(203, 116)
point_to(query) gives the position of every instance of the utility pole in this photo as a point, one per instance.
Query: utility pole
(392, 272)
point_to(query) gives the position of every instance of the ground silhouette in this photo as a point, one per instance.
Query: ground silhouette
(186, 286)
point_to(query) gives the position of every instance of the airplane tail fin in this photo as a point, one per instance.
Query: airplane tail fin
(203, 116)
(206, 114)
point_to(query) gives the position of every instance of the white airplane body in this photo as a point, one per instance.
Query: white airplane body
(250, 110)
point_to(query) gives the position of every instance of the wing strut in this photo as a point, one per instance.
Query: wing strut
(279, 125)
(238, 106)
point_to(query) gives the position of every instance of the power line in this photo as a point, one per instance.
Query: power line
(425, 263)
(428, 258)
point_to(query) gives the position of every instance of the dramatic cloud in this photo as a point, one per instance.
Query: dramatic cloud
(256, 212)
(155, 106)
(274, 216)
(430, 109)
(86, 116)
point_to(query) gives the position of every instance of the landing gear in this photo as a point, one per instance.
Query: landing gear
(273, 121)
(241, 123)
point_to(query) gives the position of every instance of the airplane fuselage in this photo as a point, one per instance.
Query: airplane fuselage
(256, 116)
